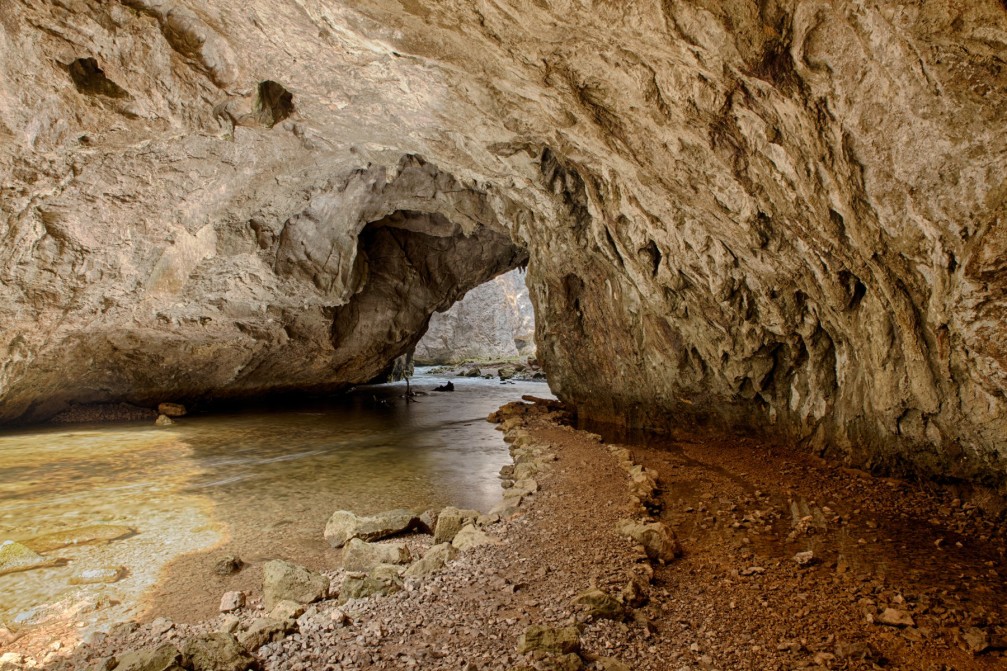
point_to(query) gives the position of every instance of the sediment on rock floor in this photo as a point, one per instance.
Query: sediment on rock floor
(707, 552)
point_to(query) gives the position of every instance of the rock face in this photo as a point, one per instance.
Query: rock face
(785, 214)
(493, 321)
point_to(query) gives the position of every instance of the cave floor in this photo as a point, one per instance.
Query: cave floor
(881, 550)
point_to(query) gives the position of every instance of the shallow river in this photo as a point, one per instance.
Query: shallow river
(258, 485)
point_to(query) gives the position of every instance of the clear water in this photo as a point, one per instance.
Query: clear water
(258, 485)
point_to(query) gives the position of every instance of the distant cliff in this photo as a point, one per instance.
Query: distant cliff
(493, 321)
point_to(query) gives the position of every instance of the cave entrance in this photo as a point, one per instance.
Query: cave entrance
(411, 265)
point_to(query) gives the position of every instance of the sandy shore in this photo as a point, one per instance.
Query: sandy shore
(787, 563)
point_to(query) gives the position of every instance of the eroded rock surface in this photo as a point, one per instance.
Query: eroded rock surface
(785, 214)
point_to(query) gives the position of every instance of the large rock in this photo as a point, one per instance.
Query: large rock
(470, 537)
(362, 556)
(382, 580)
(218, 652)
(266, 630)
(344, 525)
(162, 658)
(561, 640)
(435, 559)
(450, 522)
(283, 581)
(657, 539)
(787, 216)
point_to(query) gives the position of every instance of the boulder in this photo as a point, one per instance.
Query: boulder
(287, 610)
(282, 580)
(218, 652)
(16, 557)
(450, 522)
(162, 658)
(435, 559)
(562, 641)
(599, 605)
(360, 555)
(657, 539)
(470, 537)
(164, 420)
(266, 630)
(228, 565)
(344, 525)
(382, 580)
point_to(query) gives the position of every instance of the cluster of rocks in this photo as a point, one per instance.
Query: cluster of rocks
(505, 371)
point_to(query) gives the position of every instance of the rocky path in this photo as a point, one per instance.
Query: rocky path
(785, 563)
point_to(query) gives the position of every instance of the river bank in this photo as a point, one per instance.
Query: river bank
(786, 563)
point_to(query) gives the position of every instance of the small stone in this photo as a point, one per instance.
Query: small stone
(976, 640)
(804, 559)
(232, 601)
(894, 617)
(228, 566)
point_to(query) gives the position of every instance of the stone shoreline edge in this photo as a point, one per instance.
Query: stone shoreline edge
(292, 592)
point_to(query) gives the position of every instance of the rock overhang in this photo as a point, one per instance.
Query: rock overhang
(784, 216)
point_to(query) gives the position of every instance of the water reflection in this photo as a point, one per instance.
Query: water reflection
(258, 484)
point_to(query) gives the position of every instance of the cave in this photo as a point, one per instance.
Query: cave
(762, 241)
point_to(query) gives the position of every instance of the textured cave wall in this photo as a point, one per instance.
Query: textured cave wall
(785, 214)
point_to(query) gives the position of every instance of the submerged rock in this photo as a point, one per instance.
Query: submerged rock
(89, 535)
(164, 420)
(94, 576)
(16, 557)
